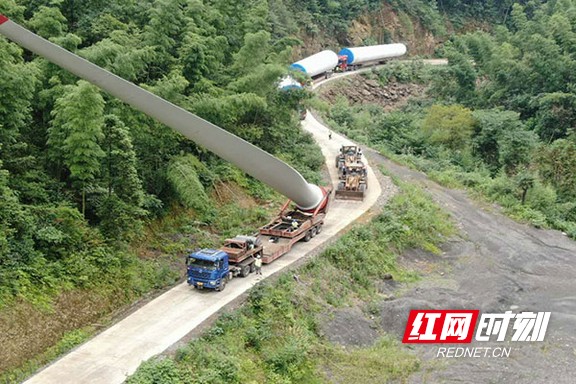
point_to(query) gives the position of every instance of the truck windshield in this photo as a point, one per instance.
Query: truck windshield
(204, 264)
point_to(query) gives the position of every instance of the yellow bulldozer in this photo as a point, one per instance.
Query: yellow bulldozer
(348, 154)
(353, 181)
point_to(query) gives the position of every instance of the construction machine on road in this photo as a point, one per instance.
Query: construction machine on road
(352, 174)
(348, 154)
(353, 182)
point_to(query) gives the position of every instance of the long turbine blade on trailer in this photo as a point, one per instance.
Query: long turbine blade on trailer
(251, 159)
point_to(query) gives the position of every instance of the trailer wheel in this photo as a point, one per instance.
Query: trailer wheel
(245, 271)
(252, 267)
(308, 236)
(319, 228)
(313, 231)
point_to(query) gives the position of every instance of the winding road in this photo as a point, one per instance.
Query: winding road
(116, 353)
(494, 265)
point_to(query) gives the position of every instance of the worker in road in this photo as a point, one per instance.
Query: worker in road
(294, 225)
(258, 265)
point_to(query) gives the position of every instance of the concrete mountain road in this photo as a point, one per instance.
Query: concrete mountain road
(118, 351)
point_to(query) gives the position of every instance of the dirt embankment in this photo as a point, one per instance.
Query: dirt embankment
(381, 26)
(360, 90)
(386, 25)
(494, 265)
(26, 330)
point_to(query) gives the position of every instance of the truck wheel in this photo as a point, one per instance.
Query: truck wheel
(245, 271)
(252, 267)
(319, 229)
(308, 236)
(222, 285)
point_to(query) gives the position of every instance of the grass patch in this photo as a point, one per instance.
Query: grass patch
(380, 363)
(70, 340)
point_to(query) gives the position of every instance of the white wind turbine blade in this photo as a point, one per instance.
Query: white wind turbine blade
(251, 159)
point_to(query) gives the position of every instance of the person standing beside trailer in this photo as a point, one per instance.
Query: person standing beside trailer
(258, 265)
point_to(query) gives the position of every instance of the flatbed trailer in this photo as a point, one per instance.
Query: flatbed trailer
(213, 268)
(291, 226)
(242, 251)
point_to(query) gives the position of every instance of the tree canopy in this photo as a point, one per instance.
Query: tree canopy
(69, 150)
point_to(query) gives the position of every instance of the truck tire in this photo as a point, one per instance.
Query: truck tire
(318, 228)
(313, 231)
(252, 267)
(222, 285)
(308, 236)
(245, 271)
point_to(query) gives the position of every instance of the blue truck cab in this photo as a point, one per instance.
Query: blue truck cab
(208, 268)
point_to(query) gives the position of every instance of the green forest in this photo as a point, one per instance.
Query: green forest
(98, 202)
(82, 172)
(499, 119)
